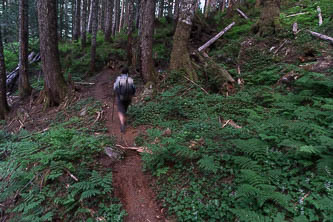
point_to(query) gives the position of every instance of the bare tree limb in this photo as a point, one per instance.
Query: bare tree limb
(301, 13)
(321, 36)
(211, 41)
(242, 14)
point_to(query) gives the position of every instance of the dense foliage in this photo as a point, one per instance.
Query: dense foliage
(55, 174)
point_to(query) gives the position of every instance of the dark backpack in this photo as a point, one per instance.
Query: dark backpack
(125, 87)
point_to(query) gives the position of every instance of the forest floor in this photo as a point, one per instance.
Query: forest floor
(131, 184)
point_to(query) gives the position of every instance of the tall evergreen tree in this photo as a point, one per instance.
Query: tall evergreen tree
(24, 85)
(147, 30)
(55, 87)
(108, 20)
(84, 24)
(94, 19)
(77, 24)
(4, 108)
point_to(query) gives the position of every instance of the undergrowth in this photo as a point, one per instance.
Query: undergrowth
(277, 167)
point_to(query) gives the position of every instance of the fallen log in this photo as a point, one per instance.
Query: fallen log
(242, 14)
(321, 36)
(211, 41)
(13, 75)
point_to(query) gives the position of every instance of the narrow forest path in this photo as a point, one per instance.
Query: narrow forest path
(130, 184)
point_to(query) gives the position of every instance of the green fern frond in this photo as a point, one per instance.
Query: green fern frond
(253, 178)
(246, 163)
(253, 147)
(249, 216)
(89, 193)
(208, 164)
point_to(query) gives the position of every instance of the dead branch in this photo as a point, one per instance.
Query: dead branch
(140, 149)
(196, 85)
(242, 14)
(211, 41)
(276, 51)
(71, 175)
(321, 36)
(320, 22)
(99, 114)
(84, 83)
(301, 13)
(230, 122)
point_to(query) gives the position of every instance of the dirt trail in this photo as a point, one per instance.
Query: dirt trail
(131, 185)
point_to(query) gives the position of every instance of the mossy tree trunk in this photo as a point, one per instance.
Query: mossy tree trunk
(180, 56)
(268, 23)
(4, 108)
(55, 87)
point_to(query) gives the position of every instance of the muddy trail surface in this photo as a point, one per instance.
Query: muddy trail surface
(131, 185)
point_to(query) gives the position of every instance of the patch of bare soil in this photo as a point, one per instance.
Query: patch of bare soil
(131, 185)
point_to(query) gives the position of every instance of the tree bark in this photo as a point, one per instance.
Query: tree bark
(122, 11)
(84, 24)
(94, 19)
(24, 85)
(4, 108)
(176, 13)
(131, 17)
(54, 84)
(137, 13)
(147, 63)
(116, 17)
(160, 8)
(61, 18)
(77, 24)
(180, 56)
(108, 20)
(268, 23)
(90, 16)
(170, 7)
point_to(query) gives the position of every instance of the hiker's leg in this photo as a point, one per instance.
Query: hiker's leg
(122, 119)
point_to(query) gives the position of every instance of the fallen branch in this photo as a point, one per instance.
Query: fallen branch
(276, 51)
(71, 175)
(85, 83)
(320, 22)
(196, 85)
(301, 13)
(99, 114)
(242, 14)
(140, 149)
(230, 122)
(211, 41)
(321, 36)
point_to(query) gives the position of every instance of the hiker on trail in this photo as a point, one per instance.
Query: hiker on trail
(124, 91)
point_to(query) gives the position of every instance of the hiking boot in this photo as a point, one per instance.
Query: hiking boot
(122, 128)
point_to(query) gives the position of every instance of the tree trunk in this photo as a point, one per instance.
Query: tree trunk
(176, 13)
(84, 24)
(180, 57)
(61, 18)
(77, 24)
(4, 108)
(54, 84)
(268, 23)
(116, 17)
(147, 63)
(90, 16)
(160, 8)
(131, 17)
(94, 19)
(137, 13)
(101, 17)
(121, 21)
(108, 20)
(24, 85)
(170, 7)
